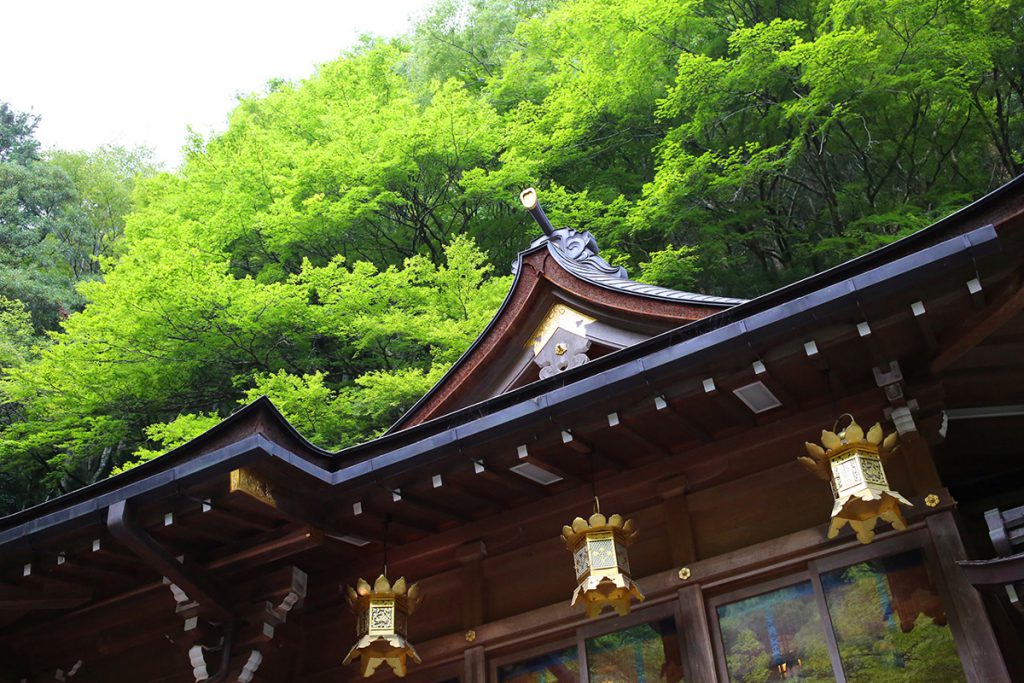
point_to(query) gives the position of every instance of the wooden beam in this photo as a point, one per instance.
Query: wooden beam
(267, 548)
(817, 358)
(996, 573)
(529, 456)
(977, 328)
(478, 499)
(624, 429)
(400, 517)
(682, 547)
(867, 336)
(680, 421)
(437, 508)
(504, 478)
(584, 447)
(226, 517)
(475, 665)
(471, 556)
(924, 325)
(81, 566)
(197, 585)
(18, 598)
(917, 456)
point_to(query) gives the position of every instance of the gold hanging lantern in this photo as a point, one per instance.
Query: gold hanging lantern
(383, 617)
(599, 548)
(852, 462)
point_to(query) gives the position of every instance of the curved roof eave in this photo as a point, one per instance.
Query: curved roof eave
(586, 272)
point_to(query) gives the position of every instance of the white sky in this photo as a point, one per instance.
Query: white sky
(138, 72)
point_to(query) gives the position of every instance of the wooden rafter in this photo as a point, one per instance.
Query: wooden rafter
(977, 328)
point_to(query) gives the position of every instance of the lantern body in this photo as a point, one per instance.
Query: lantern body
(382, 624)
(852, 462)
(599, 547)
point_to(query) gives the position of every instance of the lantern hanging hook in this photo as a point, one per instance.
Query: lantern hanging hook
(387, 528)
(835, 425)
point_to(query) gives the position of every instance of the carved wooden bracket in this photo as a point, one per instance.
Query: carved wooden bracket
(563, 350)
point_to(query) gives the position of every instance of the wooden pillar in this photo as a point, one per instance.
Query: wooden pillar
(698, 656)
(976, 640)
(472, 557)
(475, 663)
(917, 455)
(677, 521)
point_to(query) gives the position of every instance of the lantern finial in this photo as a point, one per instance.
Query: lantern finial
(599, 548)
(383, 613)
(852, 461)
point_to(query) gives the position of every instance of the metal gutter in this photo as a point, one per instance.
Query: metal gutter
(876, 282)
(125, 528)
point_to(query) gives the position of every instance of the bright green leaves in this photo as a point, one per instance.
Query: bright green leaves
(355, 161)
(807, 142)
(60, 213)
(170, 435)
(16, 336)
(172, 340)
(671, 267)
(418, 315)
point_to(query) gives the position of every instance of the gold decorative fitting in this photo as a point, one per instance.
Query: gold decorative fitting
(852, 462)
(684, 574)
(560, 349)
(931, 500)
(559, 317)
(382, 622)
(251, 483)
(470, 636)
(598, 546)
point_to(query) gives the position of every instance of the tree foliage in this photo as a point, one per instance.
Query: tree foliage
(343, 241)
(59, 213)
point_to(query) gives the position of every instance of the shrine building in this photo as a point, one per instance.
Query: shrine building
(616, 483)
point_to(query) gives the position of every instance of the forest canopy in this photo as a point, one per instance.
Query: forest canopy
(347, 236)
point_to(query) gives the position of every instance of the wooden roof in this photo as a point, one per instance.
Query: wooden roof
(565, 268)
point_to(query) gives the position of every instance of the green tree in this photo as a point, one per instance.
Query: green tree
(93, 222)
(59, 213)
(32, 197)
(468, 40)
(171, 339)
(810, 141)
